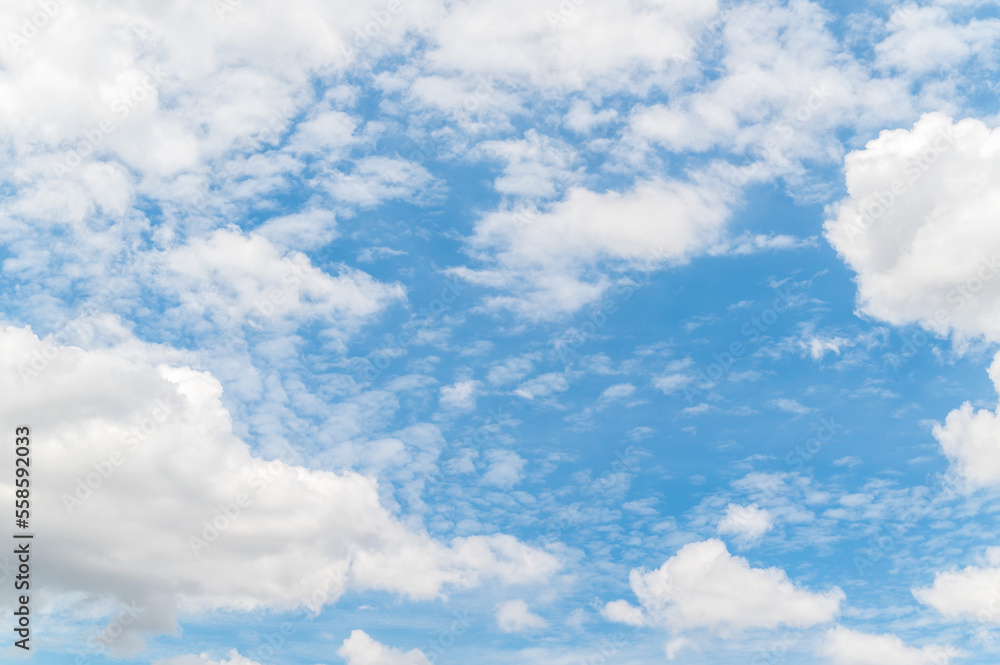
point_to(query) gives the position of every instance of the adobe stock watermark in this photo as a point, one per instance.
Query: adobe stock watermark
(116, 628)
(32, 25)
(826, 432)
(445, 639)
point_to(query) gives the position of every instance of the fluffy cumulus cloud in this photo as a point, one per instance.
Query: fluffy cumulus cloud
(747, 523)
(236, 278)
(549, 256)
(514, 616)
(704, 586)
(150, 497)
(361, 649)
(917, 226)
(972, 593)
(785, 87)
(971, 440)
(563, 47)
(923, 39)
(850, 647)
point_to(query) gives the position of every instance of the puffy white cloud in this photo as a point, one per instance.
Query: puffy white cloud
(513, 616)
(917, 226)
(361, 649)
(850, 647)
(785, 86)
(570, 46)
(505, 468)
(509, 371)
(151, 499)
(231, 277)
(704, 586)
(971, 440)
(747, 523)
(460, 396)
(378, 179)
(535, 166)
(543, 385)
(972, 593)
(922, 39)
(622, 611)
(545, 257)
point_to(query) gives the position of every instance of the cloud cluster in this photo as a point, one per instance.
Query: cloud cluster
(704, 586)
(150, 498)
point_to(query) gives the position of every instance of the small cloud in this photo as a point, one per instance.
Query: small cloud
(543, 386)
(747, 523)
(642, 506)
(697, 410)
(640, 433)
(370, 254)
(850, 461)
(620, 392)
(505, 468)
(514, 616)
(461, 396)
(790, 406)
(671, 383)
(817, 347)
(622, 611)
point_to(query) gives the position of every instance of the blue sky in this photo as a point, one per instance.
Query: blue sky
(576, 332)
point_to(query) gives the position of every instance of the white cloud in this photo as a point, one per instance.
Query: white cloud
(565, 47)
(361, 649)
(704, 586)
(784, 88)
(917, 226)
(543, 385)
(231, 278)
(150, 497)
(790, 406)
(377, 179)
(850, 647)
(460, 396)
(543, 256)
(619, 392)
(676, 377)
(747, 523)
(509, 371)
(581, 117)
(971, 440)
(505, 468)
(234, 658)
(513, 616)
(970, 593)
(308, 229)
(622, 611)
(923, 39)
(536, 166)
